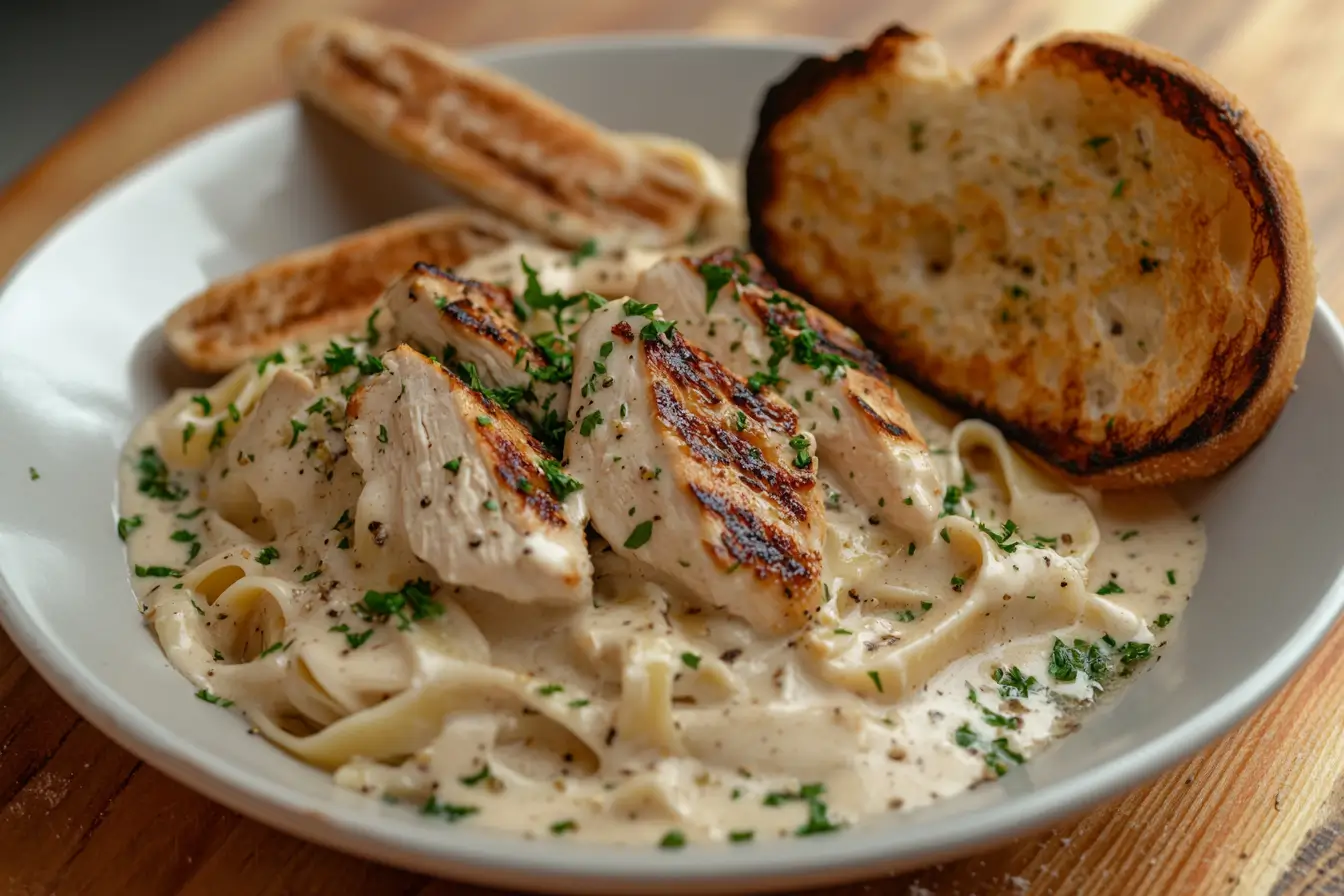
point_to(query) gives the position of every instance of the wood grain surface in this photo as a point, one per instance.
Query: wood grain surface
(1262, 811)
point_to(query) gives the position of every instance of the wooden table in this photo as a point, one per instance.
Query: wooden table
(1261, 811)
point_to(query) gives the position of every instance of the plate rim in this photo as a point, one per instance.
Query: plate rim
(493, 857)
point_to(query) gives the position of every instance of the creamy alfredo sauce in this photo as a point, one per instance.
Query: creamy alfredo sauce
(646, 717)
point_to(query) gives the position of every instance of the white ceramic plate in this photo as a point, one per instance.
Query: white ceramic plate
(82, 357)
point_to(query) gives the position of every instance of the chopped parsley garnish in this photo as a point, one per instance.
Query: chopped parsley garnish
(382, 433)
(741, 836)
(1164, 620)
(371, 332)
(761, 378)
(877, 679)
(273, 358)
(800, 444)
(1126, 536)
(128, 524)
(640, 536)
(481, 420)
(296, 427)
(182, 536)
(473, 780)
(345, 522)
(1111, 587)
(208, 697)
(491, 504)
(506, 396)
(944, 536)
(564, 826)
(957, 583)
(547, 690)
(577, 704)
(656, 328)
(1096, 142)
(274, 648)
(234, 415)
(447, 811)
(153, 477)
(1066, 662)
(1171, 577)
(802, 348)
(586, 250)
(741, 421)
(157, 572)
(312, 575)
(218, 437)
(187, 432)
(817, 820)
(951, 500)
(916, 130)
(996, 753)
(411, 604)
(690, 660)
(1119, 188)
(267, 554)
(535, 300)
(991, 717)
(1013, 684)
(640, 309)
(190, 516)
(590, 423)
(1133, 651)
(453, 465)
(357, 639)
(910, 549)
(716, 278)
(1003, 538)
(203, 402)
(908, 615)
(562, 484)
(339, 357)
(673, 839)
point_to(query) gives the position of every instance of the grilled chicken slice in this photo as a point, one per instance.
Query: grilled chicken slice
(282, 459)
(867, 443)
(473, 493)
(689, 471)
(472, 326)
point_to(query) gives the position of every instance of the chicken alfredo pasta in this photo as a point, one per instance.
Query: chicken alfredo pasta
(633, 548)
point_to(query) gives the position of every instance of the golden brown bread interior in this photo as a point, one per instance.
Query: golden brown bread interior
(1094, 247)
(494, 140)
(323, 291)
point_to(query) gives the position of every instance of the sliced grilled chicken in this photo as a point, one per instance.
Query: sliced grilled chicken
(280, 461)
(691, 472)
(472, 326)
(475, 495)
(867, 443)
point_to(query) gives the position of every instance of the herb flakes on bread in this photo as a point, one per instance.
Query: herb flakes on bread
(1094, 247)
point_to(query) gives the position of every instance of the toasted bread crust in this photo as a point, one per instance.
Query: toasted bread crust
(491, 138)
(1246, 379)
(322, 291)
